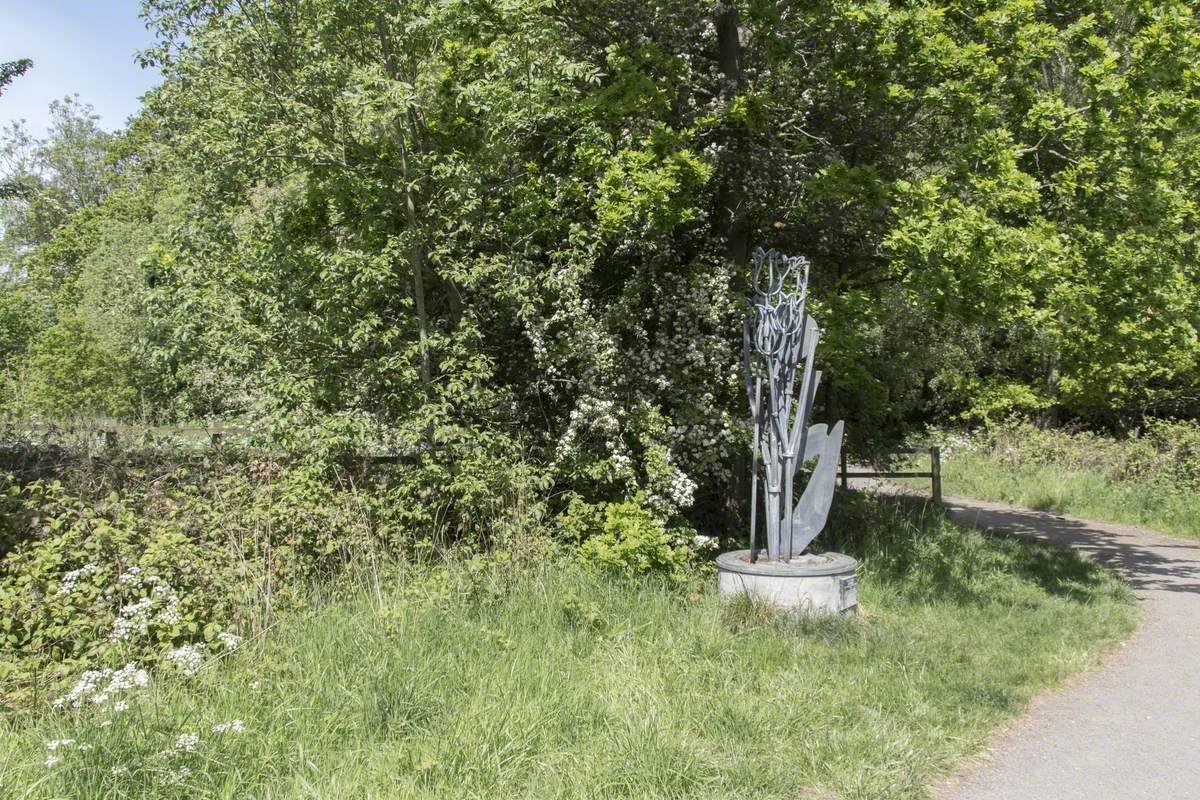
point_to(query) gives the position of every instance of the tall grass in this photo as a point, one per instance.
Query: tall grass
(1151, 480)
(488, 679)
(1152, 502)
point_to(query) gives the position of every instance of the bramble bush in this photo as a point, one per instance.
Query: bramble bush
(151, 555)
(129, 555)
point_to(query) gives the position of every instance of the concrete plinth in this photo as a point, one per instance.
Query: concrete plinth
(818, 584)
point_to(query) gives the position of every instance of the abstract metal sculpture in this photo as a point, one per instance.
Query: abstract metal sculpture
(780, 340)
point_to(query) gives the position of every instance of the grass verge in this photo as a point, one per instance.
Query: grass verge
(1158, 504)
(483, 680)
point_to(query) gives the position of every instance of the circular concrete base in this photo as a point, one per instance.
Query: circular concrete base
(817, 584)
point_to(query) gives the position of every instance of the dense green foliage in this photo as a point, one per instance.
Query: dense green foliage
(483, 231)
(127, 554)
(1150, 479)
(535, 678)
(628, 538)
(504, 244)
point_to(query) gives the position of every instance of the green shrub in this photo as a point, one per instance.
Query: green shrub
(628, 538)
(97, 584)
(179, 546)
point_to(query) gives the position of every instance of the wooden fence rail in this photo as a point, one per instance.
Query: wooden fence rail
(217, 433)
(934, 473)
(108, 434)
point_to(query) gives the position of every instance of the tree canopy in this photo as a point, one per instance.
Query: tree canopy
(484, 229)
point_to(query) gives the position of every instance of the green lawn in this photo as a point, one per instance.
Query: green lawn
(1155, 503)
(487, 680)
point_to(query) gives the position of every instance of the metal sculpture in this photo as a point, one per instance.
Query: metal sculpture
(780, 340)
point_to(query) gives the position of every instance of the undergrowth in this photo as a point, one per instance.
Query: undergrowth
(145, 555)
(524, 673)
(1152, 479)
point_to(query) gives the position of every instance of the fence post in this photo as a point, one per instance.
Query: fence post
(845, 472)
(935, 467)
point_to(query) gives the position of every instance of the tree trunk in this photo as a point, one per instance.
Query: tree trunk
(730, 225)
(416, 251)
(416, 264)
(730, 220)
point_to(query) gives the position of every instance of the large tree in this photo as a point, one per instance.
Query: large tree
(523, 227)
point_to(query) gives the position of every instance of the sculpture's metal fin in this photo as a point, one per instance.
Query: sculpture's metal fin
(801, 433)
(814, 443)
(813, 509)
(807, 390)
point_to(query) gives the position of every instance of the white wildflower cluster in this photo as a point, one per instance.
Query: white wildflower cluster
(71, 578)
(55, 745)
(63, 744)
(160, 607)
(701, 543)
(230, 641)
(132, 618)
(188, 657)
(98, 686)
(186, 742)
(956, 443)
(233, 726)
(131, 577)
(169, 613)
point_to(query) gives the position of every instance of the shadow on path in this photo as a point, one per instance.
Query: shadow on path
(1149, 561)
(1130, 730)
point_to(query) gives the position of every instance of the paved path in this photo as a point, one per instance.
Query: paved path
(1129, 730)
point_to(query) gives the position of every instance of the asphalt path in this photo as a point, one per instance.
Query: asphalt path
(1129, 729)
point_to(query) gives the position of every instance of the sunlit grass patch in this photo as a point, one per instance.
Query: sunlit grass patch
(1146, 501)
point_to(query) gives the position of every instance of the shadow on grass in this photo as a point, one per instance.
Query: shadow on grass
(1148, 562)
(925, 554)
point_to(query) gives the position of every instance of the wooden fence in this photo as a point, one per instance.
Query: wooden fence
(934, 473)
(107, 435)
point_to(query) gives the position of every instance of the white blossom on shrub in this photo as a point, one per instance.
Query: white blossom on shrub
(71, 578)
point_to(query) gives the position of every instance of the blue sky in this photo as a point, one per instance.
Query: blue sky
(83, 47)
